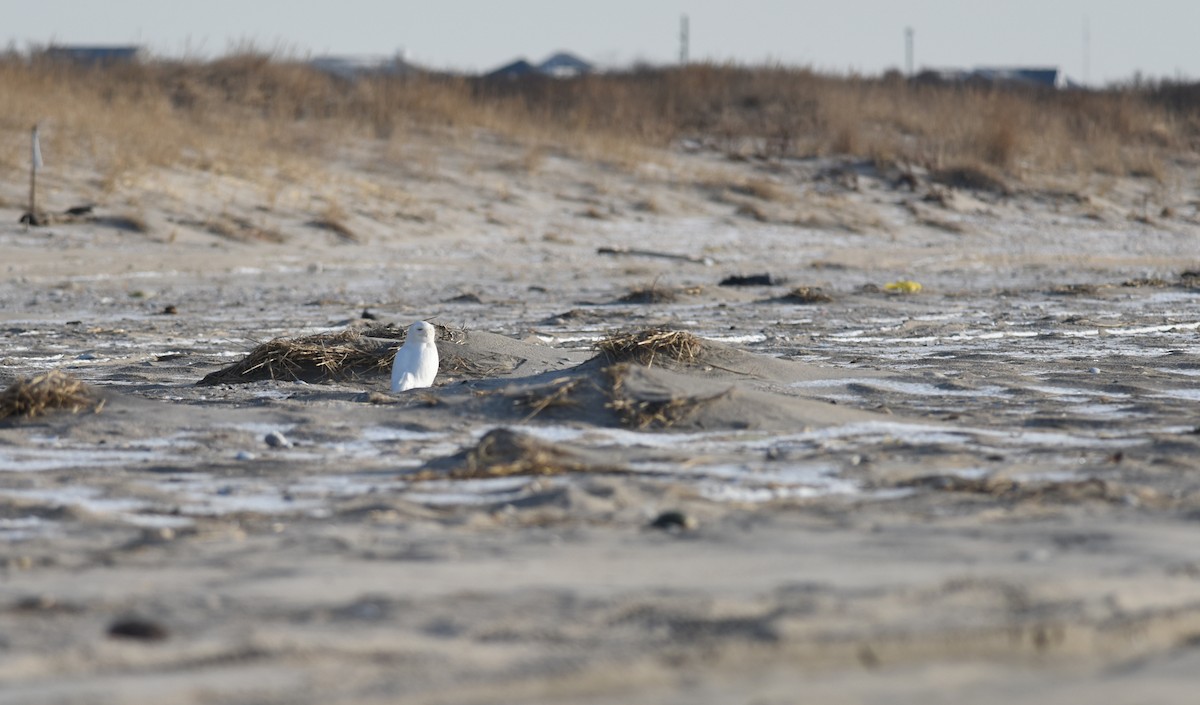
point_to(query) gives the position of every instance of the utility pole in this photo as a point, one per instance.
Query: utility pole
(683, 40)
(908, 51)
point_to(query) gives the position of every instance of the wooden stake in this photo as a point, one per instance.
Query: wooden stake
(35, 163)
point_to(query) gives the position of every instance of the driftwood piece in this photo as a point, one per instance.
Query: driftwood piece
(634, 252)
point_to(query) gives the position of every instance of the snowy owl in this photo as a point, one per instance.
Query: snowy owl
(416, 362)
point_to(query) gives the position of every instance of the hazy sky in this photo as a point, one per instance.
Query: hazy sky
(1156, 37)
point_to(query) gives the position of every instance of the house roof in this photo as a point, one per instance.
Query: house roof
(520, 67)
(1048, 77)
(352, 66)
(94, 54)
(561, 64)
(1036, 76)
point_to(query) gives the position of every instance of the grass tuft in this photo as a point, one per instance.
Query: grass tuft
(315, 358)
(30, 397)
(647, 346)
(806, 295)
(648, 413)
(506, 453)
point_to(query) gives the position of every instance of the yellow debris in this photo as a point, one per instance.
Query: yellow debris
(904, 286)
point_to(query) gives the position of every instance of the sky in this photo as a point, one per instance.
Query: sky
(1153, 37)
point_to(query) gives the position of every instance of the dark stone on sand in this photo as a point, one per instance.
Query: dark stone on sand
(673, 520)
(764, 279)
(467, 298)
(170, 310)
(368, 316)
(1081, 289)
(137, 628)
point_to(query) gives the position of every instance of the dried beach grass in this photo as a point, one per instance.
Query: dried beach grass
(29, 397)
(506, 453)
(336, 226)
(241, 229)
(806, 295)
(644, 347)
(313, 358)
(560, 393)
(253, 108)
(327, 357)
(972, 177)
(642, 414)
(458, 366)
(1049, 491)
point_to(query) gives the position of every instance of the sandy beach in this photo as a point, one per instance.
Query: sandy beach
(839, 491)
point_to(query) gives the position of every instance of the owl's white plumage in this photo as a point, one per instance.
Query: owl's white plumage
(416, 363)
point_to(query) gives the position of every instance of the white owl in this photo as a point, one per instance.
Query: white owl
(416, 363)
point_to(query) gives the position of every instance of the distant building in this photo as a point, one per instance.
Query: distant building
(564, 65)
(560, 65)
(520, 67)
(1049, 77)
(1046, 77)
(355, 66)
(95, 55)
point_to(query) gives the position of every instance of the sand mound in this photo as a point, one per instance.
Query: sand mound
(646, 398)
(678, 350)
(360, 353)
(653, 379)
(658, 379)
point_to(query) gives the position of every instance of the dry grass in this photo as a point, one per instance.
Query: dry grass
(337, 227)
(251, 112)
(506, 453)
(453, 365)
(314, 358)
(1049, 492)
(806, 295)
(752, 211)
(240, 229)
(647, 346)
(1146, 282)
(29, 397)
(642, 413)
(762, 189)
(974, 177)
(560, 393)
